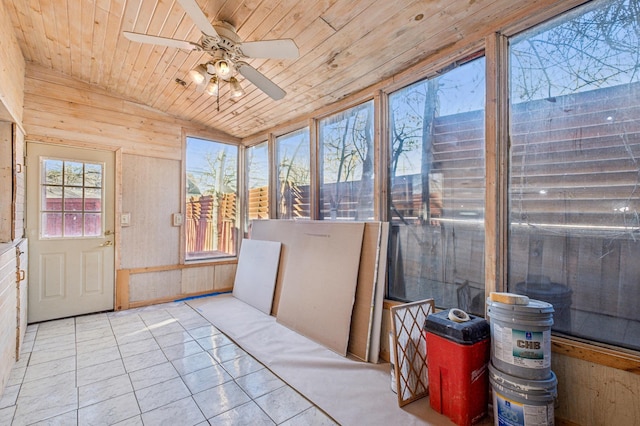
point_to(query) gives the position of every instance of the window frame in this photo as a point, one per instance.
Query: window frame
(319, 175)
(239, 203)
(275, 179)
(566, 330)
(432, 73)
(496, 204)
(246, 188)
(63, 212)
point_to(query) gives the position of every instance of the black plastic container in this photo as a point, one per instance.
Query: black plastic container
(463, 333)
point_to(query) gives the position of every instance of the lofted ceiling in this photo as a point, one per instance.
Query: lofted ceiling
(345, 46)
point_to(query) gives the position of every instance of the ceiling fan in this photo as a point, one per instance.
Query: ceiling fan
(220, 40)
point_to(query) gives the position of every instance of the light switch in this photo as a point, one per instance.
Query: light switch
(177, 219)
(125, 219)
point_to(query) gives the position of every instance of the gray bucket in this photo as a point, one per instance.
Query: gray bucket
(521, 338)
(522, 402)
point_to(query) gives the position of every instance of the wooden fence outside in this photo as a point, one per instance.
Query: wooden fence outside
(210, 225)
(558, 145)
(575, 198)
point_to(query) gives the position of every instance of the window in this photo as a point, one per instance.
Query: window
(71, 199)
(574, 193)
(436, 189)
(257, 160)
(212, 182)
(294, 175)
(346, 168)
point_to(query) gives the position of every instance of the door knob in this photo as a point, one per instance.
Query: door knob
(106, 244)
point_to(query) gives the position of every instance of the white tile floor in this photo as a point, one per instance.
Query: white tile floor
(159, 365)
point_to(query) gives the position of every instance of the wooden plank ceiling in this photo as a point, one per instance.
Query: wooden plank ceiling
(345, 46)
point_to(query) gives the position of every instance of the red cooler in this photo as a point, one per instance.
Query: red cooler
(457, 359)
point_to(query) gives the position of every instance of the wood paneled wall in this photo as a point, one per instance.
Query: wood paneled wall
(19, 189)
(12, 68)
(150, 194)
(11, 71)
(61, 110)
(6, 181)
(593, 394)
(8, 324)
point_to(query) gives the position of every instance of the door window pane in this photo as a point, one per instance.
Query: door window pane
(51, 225)
(73, 199)
(92, 176)
(346, 164)
(574, 170)
(294, 175)
(73, 225)
(52, 172)
(212, 182)
(258, 182)
(92, 223)
(69, 190)
(73, 173)
(92, 200)
(51, 198)
(436, 189)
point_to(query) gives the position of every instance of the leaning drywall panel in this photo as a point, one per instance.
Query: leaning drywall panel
(275, 230)
(375, 331)
(365, 292)
(319, 283)
(255, 279)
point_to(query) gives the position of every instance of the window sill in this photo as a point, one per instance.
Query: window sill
(616, 358)
(209, 261)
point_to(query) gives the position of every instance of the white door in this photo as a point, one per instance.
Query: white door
(70, 224)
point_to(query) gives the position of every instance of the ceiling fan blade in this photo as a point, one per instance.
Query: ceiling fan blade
(278, 49)
(162, 41)
(198, 17)
(260, 81)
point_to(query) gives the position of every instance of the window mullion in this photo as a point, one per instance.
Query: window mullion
(496, 145)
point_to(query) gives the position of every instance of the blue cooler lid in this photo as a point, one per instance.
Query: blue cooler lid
(465, 333)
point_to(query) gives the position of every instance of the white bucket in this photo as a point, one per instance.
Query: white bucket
(521, 338)
(522, 402)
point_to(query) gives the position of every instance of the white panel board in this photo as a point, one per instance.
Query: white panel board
(255, 280)
(319, 283)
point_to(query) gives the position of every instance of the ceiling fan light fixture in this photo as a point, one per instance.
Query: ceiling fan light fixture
(198, 74)
(236, 89)
(223, 69)
(212, 87)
